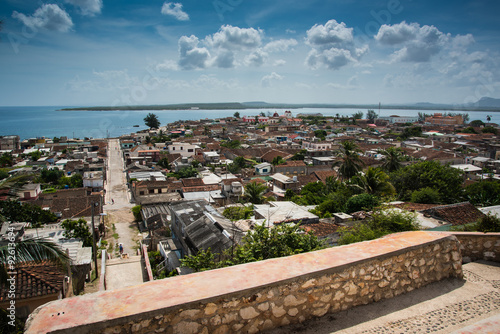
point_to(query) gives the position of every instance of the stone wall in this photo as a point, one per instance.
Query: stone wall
(479, 246)
(262, 295)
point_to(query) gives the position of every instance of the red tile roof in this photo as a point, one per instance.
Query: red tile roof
(35, 280)
(455, 214)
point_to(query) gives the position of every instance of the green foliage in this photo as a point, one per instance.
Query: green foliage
(35, 155)
(334, 203)
(392, 158)
(412, 131)
(489, 129)
(203, 260)
(51, 176)
(155, 258)
(357, 115)
(426, 196)
(321, 134)
(6, 160)
(487, 224)
(77, 229)
(3, 174)
(231, 144)
(476, 123)
(185, 172)
(254, 193)
(429, 174)
(151, 121)
(383, 222)
(240, 162)
(299, 155)
(163, 163)
(374, 181)
(469, 129)
(361, 202)
(17, 212)
(350, 162)
(278, 161)
(6, 321)
(371, 115)
(136, 210)
(237, 212)
(236, 115)
(484, 193)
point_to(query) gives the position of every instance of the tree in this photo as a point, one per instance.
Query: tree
(488, 118)
(411, 131)
(445, 179)
(35, 155)
(489, 129)
(240, 162)
(375, 182)
(361, 202)
(6, 160)
(426, 196)
(350, 162)
(371, 115)
(151, 121)
(254, 192)
(321, 134)
(299, 155)
(476, 123)
(236, 115)
(484, 193)
(136, 211)
(237, 212)
(392, 158)
(231, 144)
(77, 229)
(278, 161)
(357, 115)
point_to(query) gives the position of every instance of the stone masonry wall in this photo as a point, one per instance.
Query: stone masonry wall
(397, 268)
(479, 246)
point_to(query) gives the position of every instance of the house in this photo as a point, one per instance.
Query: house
(263, 168)
(395, 119)
(184, 149)
(211, 157)
(316, 146)
(232, 189)
(9, 143)
(36, 283)
(30, 191)
(455, 214)
(284, 212)
(70, 203)
(196, 225)
(152, 192)
(291, 167)
(439, 119)
(149, 155)
(94, 180)
(281, 183)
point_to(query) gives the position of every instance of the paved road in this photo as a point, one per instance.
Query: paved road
(121, 273)
(449, 306)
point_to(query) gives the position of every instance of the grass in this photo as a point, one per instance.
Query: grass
(116, 236)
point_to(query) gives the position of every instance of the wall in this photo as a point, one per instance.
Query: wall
(479, 246)
(261, 295)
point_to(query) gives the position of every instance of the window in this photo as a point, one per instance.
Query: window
(182, 148)
(141, 192)
(151, 191)
(190, 150)
(173, 148)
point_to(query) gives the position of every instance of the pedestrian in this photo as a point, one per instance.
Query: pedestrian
(121, 249)
(112, 201)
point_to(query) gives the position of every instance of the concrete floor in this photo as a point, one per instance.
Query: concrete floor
(121, 273)
(448, 306)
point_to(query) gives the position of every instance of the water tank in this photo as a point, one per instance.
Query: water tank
(294, 178)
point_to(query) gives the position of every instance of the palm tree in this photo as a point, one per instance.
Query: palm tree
(375, 182)
(350, 162)
(392, 158)
(488, 118)
(254, 192)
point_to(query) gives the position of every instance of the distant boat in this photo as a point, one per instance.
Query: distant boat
(136, 126)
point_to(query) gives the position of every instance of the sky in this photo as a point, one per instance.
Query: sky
(131, 52)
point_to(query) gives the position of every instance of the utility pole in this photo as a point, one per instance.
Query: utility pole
(94, 251)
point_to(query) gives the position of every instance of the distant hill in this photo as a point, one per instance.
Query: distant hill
(487, 102)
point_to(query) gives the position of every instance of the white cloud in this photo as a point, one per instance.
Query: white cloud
(332, 46)
(87, 7)
(268, 79)
(418, 43)
(256, 58)
(279, 62)
(48, 16)
(280, 45)
(235, 38)
(168, 65)
(191, 56)
(224, 59)
(174, 9)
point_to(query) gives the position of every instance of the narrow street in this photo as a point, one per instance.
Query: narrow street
(121, 272)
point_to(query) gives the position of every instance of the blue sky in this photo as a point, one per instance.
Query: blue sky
(110, 52)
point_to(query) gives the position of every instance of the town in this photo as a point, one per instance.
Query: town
(192, 196)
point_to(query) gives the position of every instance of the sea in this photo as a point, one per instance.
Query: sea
(49, 122)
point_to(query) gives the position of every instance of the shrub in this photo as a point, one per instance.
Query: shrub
(136, 210)
(426, 196)
(361, 202)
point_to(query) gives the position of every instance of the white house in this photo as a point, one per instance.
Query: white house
(316, 146)
(263, 168)
(184, 149)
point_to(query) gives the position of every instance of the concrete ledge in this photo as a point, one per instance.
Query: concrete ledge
(261, 295)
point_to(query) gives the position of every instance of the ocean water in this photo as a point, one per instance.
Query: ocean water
(49, 122)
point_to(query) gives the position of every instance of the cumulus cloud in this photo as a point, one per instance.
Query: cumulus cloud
(225, 59)
(191, 56)
(332, 46)
(418, 43)
(87, 7)
(280, 45)
(268, 79)
(48, 16)
(256, 58)
(174, 9)
(235, 38)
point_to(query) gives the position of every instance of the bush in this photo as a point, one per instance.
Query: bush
(488, 223)
(361, 202)
(358, 233)
(426, 196)
(238, 213)
(136, 210)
